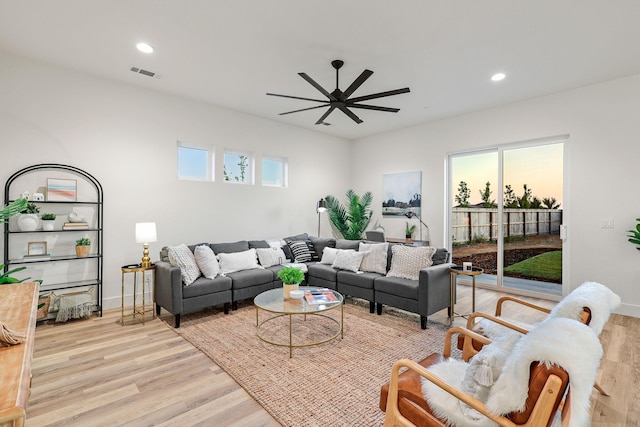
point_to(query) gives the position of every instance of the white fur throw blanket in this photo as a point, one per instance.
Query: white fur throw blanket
(564, 342)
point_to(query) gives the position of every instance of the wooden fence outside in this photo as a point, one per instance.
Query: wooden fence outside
(482, 223)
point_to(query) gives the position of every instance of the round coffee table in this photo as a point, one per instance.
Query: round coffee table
(273, 301)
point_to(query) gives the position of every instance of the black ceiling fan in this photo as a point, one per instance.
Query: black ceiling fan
(340, 100)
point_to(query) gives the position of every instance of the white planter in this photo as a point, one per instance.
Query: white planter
(28, 222)
(48, 224)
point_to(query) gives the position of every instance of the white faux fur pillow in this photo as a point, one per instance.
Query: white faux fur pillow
(207, 262)
(238, 261)
(375, 258)
(181, 256)
(329, 255)
(348, 259)
(407, 261)
(271, 256)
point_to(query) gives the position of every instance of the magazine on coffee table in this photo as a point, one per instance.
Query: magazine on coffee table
(320, 296)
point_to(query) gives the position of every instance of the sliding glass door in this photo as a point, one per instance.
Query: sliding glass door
(506, 215)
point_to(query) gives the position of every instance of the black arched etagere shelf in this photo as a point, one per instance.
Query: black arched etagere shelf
(94, 271)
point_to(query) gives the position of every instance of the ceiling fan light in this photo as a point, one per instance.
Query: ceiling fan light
(144, 47)
(498, 77)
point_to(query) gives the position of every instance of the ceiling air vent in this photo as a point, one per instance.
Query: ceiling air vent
(144, 72)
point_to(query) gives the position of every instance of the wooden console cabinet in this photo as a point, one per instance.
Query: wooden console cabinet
(18, 307)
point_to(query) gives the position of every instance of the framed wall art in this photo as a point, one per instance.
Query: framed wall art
(62, 190)
(402, 193)
(36, 248)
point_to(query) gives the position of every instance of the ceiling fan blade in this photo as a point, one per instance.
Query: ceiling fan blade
(317, 86)
(379, 95)
(297, 97)
(356, 84)
(348, 112)
(325, 115)
(374, 107)
(303, 109)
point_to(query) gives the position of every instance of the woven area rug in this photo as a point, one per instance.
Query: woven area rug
(334, 384)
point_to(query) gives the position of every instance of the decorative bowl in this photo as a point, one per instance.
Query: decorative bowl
(297, 294)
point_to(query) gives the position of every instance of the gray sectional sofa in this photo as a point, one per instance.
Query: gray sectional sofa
(425, 296)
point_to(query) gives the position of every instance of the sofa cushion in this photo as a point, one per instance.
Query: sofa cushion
(403, 288)
(319, 243)
(227, 248)
(348, 244)
(271, 256)
(203, 286)
(181, 256)
(303, 250)
(322, 271)
(329, 255)
(348, 260)
(375, 258)
(360, 280)
(248, 278)
(207, 261)
(302, 236)
(258, 244)
(407, 261)
(238, 261)
(440, 256)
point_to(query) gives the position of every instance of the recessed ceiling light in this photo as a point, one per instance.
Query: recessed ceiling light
(498, 77)
(144, 47)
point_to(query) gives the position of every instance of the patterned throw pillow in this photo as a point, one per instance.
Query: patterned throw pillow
(270, 257)
(181, 256)
(348, 259)
(303, 250)
(207, 262)
(329, 255)
(375, 258)
(407, 261)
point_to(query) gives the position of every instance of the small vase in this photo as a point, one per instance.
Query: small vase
(287, 289)
(28, 222)
(48, 224)
(82, 251)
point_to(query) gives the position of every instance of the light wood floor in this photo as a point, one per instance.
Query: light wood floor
(95, 372)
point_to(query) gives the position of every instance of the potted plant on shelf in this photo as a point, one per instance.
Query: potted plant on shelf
(291, 278)
(28, 218)
(48, 221)
(82, 247)
(634, 237)
(408, 231)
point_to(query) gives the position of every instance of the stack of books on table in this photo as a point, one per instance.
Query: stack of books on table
(319, 296)
(75, 226)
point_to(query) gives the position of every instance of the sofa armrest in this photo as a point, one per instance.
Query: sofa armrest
(168, 290)
(434, 288)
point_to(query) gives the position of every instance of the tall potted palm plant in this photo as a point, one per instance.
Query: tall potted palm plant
(350, 222)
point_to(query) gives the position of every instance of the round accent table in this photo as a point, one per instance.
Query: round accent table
(454, 272)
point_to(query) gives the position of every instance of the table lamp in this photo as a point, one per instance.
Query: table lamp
(145, 234)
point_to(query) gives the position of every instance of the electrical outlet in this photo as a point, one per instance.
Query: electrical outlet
(606, 223)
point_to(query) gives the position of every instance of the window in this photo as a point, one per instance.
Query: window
(274, 171)
(195, 163)
(238, 167)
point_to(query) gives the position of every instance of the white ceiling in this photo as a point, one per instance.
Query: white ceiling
(230, 53)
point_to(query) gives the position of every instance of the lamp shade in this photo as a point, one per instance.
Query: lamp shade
(322, 205)
(146, 232)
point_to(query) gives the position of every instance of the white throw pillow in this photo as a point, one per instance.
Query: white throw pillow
(271, 256)
(348, 259)
(181, 256)
(375, 258)
(238, 261)
(207, 261)
(329, 255)
(484, 370)
(407, 261)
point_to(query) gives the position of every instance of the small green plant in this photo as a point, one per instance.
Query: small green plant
(409, 229)
(6, 278)
(85, 241)
(48, 216)
(291, 276)
(12, 209)
(30, 209)
(634, 237)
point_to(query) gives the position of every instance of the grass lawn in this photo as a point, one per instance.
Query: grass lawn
(547, 265)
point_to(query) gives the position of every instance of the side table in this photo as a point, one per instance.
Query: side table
(142, 308)
(454, 272)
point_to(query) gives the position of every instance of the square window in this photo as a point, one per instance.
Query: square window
(194, 163)
(238, 167)
(274, 172)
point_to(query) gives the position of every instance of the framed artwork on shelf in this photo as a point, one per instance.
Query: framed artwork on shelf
(36, 248)
(62, 190)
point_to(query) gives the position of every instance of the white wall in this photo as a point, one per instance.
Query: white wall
(602, 176)
(126, 138)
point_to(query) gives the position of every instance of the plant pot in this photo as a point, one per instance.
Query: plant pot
(82, 251)
(286, 289)
(48, 224)
(28, 222)
(408, 238)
